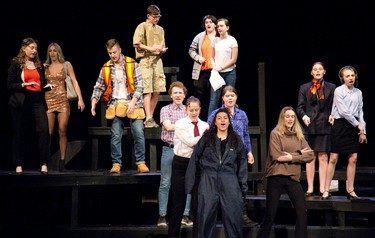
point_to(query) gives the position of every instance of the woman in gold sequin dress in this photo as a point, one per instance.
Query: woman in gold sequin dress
(57, 101)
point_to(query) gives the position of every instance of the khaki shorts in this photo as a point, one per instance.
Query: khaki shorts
(152, 74)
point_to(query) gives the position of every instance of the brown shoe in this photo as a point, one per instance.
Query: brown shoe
(142, 168)
(115, 169)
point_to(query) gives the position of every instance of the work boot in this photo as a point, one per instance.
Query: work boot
(142, 168)
(115, 169)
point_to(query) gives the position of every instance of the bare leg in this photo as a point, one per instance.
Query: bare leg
(51, 123)
(330, 172)
(147, 104)
(310, 173)
(350, 173)
(323, 164)
(154, 102)
(63, 119)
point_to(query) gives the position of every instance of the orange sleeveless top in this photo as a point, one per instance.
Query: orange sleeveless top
(32, 75)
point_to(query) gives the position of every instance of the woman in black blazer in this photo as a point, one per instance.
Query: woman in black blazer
(314, 107)
(26, 85)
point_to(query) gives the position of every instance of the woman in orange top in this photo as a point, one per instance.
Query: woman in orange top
(200, 52)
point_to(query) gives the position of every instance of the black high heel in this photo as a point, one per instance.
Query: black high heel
(325, 197)
(351, 197)
(62, 166)
(309, 194)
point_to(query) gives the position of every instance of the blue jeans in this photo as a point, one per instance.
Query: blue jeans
(230, 79)
(137, 129)
(165, 182)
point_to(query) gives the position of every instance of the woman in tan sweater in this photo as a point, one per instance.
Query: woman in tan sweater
(287, 150)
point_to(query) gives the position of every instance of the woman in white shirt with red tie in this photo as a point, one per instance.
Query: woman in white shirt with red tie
(185, 138)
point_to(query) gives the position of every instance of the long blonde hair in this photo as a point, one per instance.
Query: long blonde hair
(297, 128)
(60, 55)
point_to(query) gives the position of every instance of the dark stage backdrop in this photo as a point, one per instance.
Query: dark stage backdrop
(287, 35)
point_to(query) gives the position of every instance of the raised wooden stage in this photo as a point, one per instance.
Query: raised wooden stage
(87, 203)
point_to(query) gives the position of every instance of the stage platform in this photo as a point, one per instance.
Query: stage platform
(95, 203)
(279, 231)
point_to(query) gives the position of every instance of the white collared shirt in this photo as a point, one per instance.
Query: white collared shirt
(184, 140)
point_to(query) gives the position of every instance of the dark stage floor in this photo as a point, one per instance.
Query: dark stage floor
(86, 203)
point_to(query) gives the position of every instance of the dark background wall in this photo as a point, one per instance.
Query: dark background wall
(287, 35)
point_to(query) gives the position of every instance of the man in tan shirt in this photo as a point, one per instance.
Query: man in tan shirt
(149, 44)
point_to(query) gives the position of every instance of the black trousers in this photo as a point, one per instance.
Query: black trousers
(202, 89)
(33, 113)
(275, 187)
(178, 195)
(194, 206)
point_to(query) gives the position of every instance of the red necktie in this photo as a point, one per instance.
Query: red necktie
(196, 131)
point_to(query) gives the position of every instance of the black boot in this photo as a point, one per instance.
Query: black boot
(62, 165)
(246, 220)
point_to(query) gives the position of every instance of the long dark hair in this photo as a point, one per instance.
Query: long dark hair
(233, 139)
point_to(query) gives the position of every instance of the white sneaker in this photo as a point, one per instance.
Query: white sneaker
(162, 222)
(186, 221)
(150, 123)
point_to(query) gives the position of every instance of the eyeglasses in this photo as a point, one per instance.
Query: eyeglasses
(156, 16)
